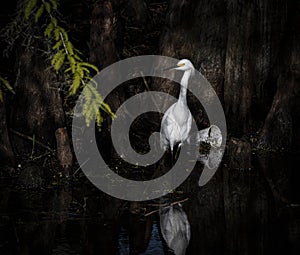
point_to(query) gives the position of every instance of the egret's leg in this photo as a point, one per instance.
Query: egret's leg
(172, 155)
(177, 151)
(189, 142)
(172, 163)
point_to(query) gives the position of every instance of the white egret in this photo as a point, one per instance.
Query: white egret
(177, 120)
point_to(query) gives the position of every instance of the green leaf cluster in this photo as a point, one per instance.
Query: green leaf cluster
(38, 7)
(67, 58)
(94, 101)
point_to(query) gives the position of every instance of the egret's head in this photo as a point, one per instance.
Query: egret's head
(184, 65)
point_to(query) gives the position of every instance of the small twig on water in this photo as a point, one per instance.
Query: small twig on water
(149, 213)
(163, 205)
(31, 139)
(42, 155)
(169, 204)
(33, 146)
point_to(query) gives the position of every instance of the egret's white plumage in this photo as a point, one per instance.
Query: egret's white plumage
(177, 120)
(175, 228)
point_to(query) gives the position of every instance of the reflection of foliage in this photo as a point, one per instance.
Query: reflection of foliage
(5, 83)
(65, 59)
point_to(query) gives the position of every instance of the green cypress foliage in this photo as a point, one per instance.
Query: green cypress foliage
(68, 59)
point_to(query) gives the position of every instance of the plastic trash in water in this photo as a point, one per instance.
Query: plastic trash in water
(213, 159)
(211, 135)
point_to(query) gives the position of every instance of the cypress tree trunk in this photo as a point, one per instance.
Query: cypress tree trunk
(103, 51)
(7, 157)
(254, 37)
(6, 153)
(103, 37)
(281, 127)
(37, 106)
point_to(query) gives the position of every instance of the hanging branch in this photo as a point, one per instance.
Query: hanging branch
(67, 58)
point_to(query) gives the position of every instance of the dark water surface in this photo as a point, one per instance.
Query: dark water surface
(240, 211)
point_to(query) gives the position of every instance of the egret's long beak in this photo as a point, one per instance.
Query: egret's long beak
(169, 68)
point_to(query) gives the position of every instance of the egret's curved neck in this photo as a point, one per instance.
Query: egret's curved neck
(184, 84)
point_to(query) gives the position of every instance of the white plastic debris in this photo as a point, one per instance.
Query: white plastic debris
(211, 135)
(213, 159)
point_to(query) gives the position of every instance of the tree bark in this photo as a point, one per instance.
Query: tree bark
(254, 37)
(103, 51)
(37, 106)
(64, 153)
(282, 122)
(7, 157)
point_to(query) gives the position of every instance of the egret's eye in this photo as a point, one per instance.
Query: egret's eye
(181, 64)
